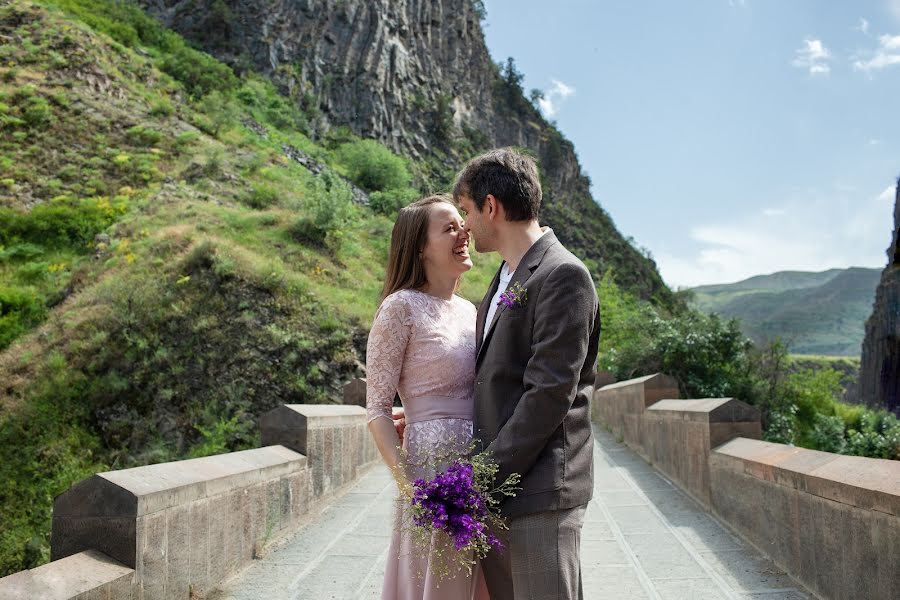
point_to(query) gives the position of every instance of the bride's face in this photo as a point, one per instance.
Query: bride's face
(447, 248)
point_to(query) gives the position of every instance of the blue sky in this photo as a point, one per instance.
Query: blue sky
(730, 138)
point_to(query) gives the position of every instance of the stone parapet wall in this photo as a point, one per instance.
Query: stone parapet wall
(83, 576)
(184, 526)
(621, 406)
(830, 521)
(175, 530)
(678, 436)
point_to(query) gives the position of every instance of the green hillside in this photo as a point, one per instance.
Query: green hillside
(176, 255)
(179, 252)
(814, 313)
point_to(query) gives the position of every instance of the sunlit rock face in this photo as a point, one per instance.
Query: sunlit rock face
(879, 378)
(417, 76)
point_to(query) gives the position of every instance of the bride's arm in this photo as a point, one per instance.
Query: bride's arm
(387, 441)
(386, 347)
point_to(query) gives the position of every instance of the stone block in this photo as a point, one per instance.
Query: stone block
(886, 538)
(198, 539)
(89, 574)
(611, 402)
(151, 571)
(185, 526)
(603, 378)
(355, 392)
(178, 553)
(217, 563)
(328, 460)
(347, 465)
(827, 532)
(860, 565)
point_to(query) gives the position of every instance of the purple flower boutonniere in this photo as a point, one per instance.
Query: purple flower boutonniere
(514, 297)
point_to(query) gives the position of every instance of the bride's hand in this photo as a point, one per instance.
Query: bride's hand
(399, 417)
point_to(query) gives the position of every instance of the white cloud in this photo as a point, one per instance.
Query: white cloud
(863, 26)
(820, 233)
(874, 142)
(890, 42)
(549, 104)
(814, 56)
(737, 2)
(887, 54)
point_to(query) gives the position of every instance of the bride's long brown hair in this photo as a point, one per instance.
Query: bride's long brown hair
(405, 269)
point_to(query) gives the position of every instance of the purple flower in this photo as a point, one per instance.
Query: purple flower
(450, 502)
(514, 296)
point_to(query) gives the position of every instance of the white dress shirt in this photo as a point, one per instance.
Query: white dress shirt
(505, 278)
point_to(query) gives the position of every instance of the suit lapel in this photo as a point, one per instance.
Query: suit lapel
(526, 267)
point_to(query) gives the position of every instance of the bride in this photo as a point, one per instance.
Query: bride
(422, 346)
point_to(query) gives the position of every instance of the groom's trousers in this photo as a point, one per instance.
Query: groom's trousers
(542, 560)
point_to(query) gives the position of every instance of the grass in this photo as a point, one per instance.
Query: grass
(184, 304)
(826, 359)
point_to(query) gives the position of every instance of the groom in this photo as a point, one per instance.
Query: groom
(536, 338)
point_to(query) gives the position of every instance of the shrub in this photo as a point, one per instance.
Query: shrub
(373, 167)
(218, 111)
(828, 434)
(305, 231)
(262, 96)
(61, 222)
(701, 351)
(37, 112)
(390, 201)
(261, 197)
(162, 108)
(198, 72)
(44, 448)
(214, 163)
(218, 439)
(24, 251)
(878, 435)
(144, 136)
(184, 140)
(329, 206)
(20, 310)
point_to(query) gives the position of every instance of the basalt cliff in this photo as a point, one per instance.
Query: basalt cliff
(879, 379)
(417, 76)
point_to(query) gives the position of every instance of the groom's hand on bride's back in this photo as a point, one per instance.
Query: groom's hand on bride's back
(399, 421)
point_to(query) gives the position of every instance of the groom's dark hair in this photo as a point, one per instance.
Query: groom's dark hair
(510, 176)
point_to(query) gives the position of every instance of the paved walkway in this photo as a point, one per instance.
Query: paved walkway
(642, 538)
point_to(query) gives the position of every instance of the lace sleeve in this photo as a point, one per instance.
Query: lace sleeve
(384, 355)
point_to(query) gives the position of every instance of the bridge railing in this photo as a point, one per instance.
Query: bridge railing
(177, 529)
(830, 521)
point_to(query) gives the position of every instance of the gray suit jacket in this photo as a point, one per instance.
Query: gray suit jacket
(533, 376)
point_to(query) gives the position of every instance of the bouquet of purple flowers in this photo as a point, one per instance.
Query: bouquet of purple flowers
(459, 505)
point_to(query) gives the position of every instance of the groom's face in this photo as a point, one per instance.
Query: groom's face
(477, 223)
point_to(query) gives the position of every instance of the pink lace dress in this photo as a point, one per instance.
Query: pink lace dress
(423, 347)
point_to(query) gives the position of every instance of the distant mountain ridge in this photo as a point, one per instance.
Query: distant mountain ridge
(814, 313)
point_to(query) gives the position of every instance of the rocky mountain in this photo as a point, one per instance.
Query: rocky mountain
(879, 379)
(417, 76)
(814, 313)
(183, 248)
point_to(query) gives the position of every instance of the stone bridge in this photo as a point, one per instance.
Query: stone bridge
(688, 503)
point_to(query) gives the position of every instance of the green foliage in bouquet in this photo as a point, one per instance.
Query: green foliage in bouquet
(454, 517)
